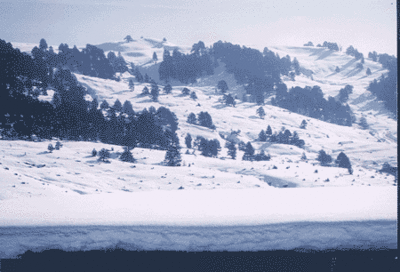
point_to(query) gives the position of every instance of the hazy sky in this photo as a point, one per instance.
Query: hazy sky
(367, 25)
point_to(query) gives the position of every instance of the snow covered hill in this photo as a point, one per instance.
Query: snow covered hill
(66, 186)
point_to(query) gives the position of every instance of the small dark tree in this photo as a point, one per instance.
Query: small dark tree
(185, 91)
(58, 145)
(368, 72)
(94, 152)
(188, 141)
(128, 38)
(222, 86)
(248, 152)
(131, 85)
(229, 100)
(231, 149)
(173, 155)
(269, 131)
(324, 158)
(296, 66)
(343, 161)
(127, 156)
(261, 112)
(192, 118)
(337, 70)
(145, 91)
(363, 123)
(292, 75)
(104, 105)
(303, 157)
(193, 95)
(104, 154)
(154, 92)
(43, 45)
(303, 124)
(167, 89)
(359, 66)
(117, 105)
(262, 137)
(262, 157)
(155, 58)
(50, 148)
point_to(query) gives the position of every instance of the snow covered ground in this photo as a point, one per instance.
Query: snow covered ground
(68, 199)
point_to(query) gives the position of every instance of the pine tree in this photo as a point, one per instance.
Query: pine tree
(131, 85)
(193, 96)
(167, 89)
(128, 38)
(363, 123)
(104, 154)
(117, 105)
(343, 161)
(185, 91)
(337, 70)
(173, 155)
(368, 72)
(261, 112)
(303, 124)
(127, 156)
(296, 66)
(154, 92)
(58, 145)
(303, 157)
(269, 131)
(50, 148)
(262, 137)
(222, 86)
(94, 152)
(155, 58)
(231, 149)
(229, 100)
(43, 45)
(248, 152)
(192, 118)
(127, 108)
(324, 158)
(145, 91)
(188, 141)
(104, 105)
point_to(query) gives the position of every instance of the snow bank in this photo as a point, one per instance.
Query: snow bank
(233, 220)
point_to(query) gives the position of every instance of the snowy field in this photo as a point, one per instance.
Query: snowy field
(67, 199)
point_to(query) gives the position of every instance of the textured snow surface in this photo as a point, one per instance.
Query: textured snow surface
(233, 220)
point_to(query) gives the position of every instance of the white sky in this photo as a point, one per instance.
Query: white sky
(367, 25)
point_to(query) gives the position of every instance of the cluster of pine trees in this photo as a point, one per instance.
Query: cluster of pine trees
(351, 51)
(283, 137)
(208, 148)
(385, 88)
(186, 67)
(341, 161)
(203, 119)
(311, 102)
(329, 45)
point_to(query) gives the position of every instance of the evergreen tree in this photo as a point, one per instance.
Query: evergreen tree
(248, 152)
(131, 85)
(215, 147)
(303, 124)
(262, 157)
(94, 152)
(222, 86)
(117, 105)
(261, 112)
(368, 72)
(363, 123)
(127, 109)
(167, 89)
(58, 145)
(205, 120)
(50, 148)
(154, 92)
(303, 157)
(43, 45)
(127, 156)
(343, 161)
(229, 100)
(295, 139)
(231, 149)
(296, 66)
(192, 118)
(324, 158)
(262, 136)
(269, 131)
(185, 91)
(128, 39)
(337, 70)
(104, 154)
(155, 58)
(173, 155)
(145, 91)
(104, 105)
(188, 141)
(146, 78)
(193, 95)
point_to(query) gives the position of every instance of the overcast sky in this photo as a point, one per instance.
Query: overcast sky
(367, 25)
